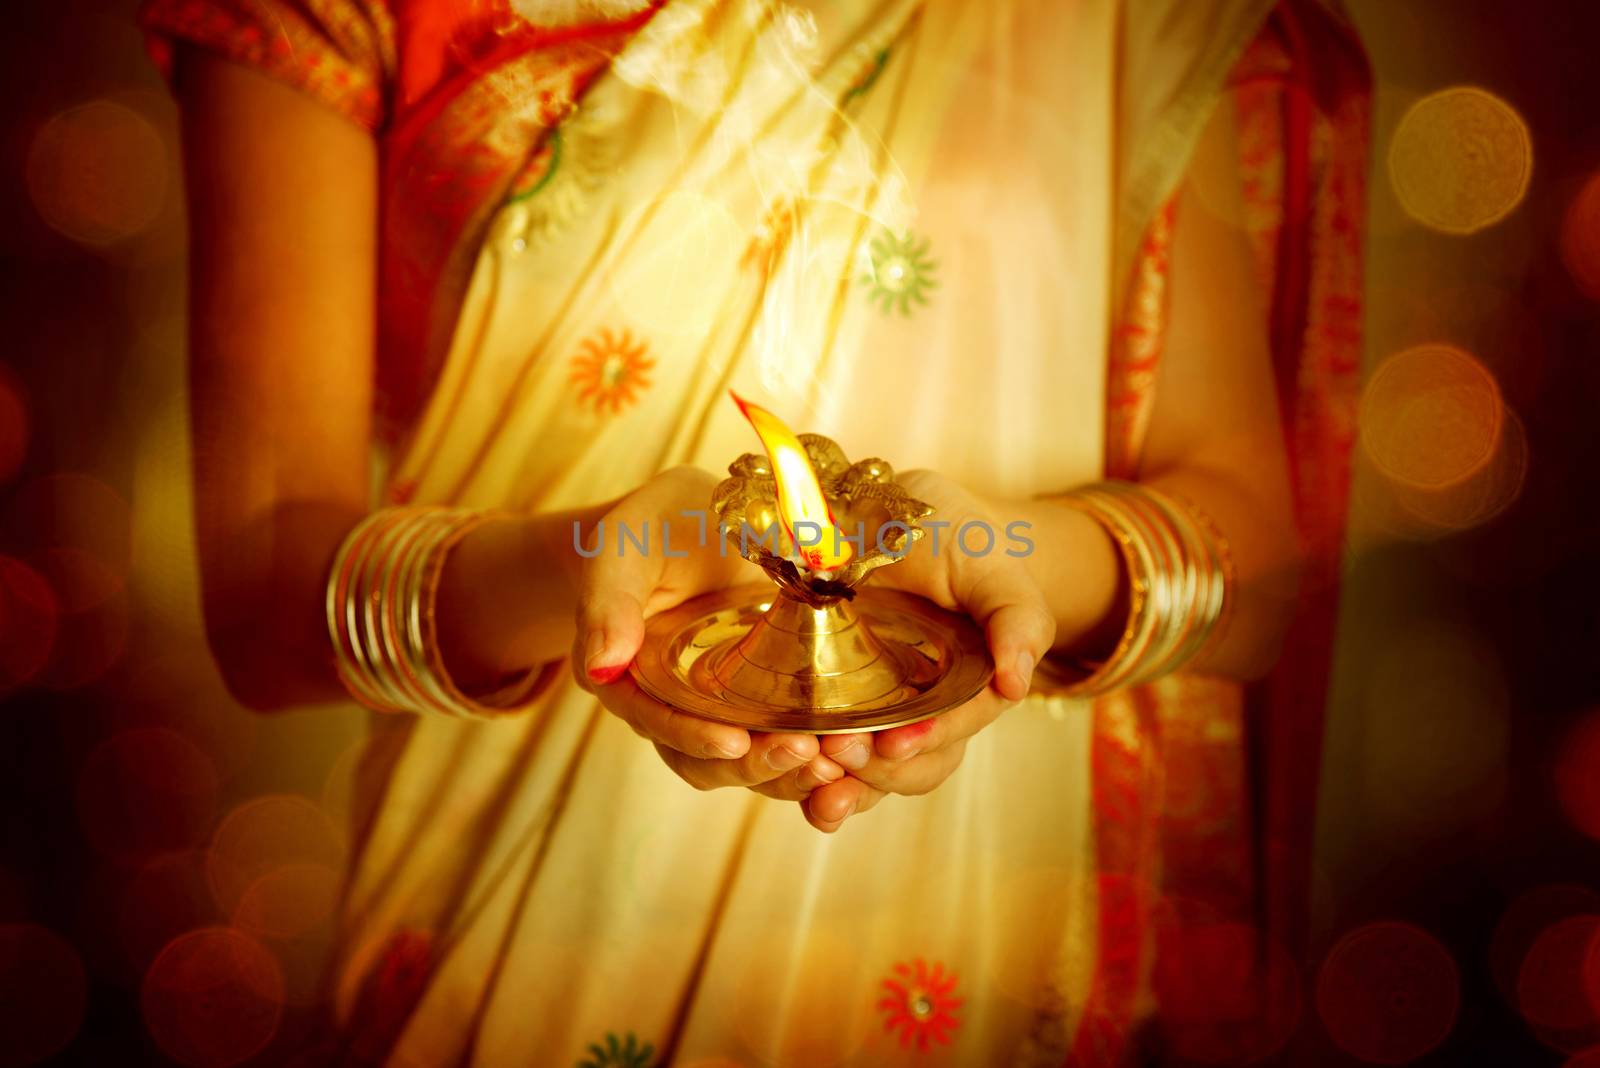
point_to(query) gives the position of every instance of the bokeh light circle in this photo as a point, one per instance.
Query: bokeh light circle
(80, 579)
(1577, 775)
(1580, 238)
(1524, 920)
(146, 791)
(28, 622)
(1552, 987)
(289, 902)
(1460, 160)
(265, 834)
(43, 993)
(213, 998)
(169, 896)
(77, 511)
(98, 173)
(1478, 499)
(88, 644)
(1430, 416)
(291, 908)
(1388, 993)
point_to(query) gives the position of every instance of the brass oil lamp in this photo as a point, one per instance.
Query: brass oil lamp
(816, 651)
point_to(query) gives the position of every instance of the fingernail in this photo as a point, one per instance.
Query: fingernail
(718, 751)
(1025, 670)
(854, 756)
(594, 650)
(784, 758)
(825, 770)
(593, 647)
(607, 675)
(905, 742)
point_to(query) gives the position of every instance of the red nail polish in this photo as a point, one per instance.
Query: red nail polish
(606, 675)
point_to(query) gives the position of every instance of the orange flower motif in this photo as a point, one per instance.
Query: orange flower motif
(610, 370)
(770, 238)
(919, 1004)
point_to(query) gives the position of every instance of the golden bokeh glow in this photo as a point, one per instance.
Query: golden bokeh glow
(1431, 416)
(265, 834)
(213, 998)
(1460, 160)
(98, 173)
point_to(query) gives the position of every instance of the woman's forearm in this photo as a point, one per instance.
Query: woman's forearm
(1081, 572)
(509, 594)
(505, 603)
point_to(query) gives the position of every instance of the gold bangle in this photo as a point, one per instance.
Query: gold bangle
(343, 606)
(1180, 575)
(401, 599)
(380, 606)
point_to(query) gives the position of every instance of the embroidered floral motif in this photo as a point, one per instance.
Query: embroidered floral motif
(899, 272)
(624, 1052)
(920, 1005)
(770, 238)
(611, 370)
(869, 77)
(558, 184)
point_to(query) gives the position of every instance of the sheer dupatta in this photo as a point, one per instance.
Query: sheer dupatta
(1205, 797)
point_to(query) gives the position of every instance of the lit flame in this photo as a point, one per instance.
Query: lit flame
(800, 498)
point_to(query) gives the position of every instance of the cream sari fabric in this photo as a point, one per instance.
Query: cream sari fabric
(893, 222)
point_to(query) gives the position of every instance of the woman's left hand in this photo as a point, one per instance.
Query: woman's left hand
(996, 590)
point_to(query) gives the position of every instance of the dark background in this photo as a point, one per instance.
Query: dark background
(1461, 764)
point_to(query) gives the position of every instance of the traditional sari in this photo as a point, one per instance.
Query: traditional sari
(937, 232)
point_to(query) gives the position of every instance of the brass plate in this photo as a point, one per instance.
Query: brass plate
(945, 657)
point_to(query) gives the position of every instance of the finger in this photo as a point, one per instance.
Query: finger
(612, 590)
(798, 784)
(771, 756)
(689, 735)
(610, 619)
(919, 775)
(830, 805)
(941, 731)
(849, 751)
(1011, 608)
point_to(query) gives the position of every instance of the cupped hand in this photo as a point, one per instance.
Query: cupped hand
(619, 589)
(997, 592)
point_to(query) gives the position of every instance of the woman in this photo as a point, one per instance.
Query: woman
(504, 264)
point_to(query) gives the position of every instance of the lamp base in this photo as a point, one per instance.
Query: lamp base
(756, 658)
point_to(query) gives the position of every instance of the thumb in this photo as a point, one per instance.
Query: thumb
(1011, 608)
(610, 631)
(610, 620)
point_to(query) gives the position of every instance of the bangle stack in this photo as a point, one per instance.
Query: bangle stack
(1180, 576)
(380, 604)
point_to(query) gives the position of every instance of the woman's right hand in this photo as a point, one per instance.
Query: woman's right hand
(619, 590)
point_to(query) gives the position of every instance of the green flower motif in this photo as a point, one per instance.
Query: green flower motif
(899, 272)
(625, 1052)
